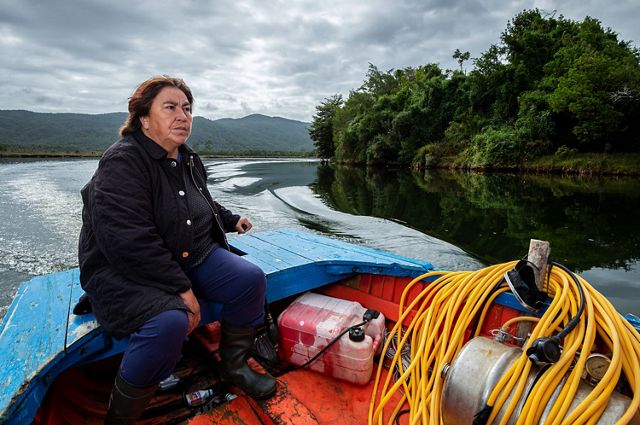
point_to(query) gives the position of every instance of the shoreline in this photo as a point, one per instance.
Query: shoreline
(594, 165)
(97, 155)
(48, 155)
(579, 164)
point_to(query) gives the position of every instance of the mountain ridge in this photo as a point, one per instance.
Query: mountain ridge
(67, 131)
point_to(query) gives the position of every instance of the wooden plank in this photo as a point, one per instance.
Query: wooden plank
(314, 247)
(278, 256)
(538, 255)
(297, 280)
(351, 250)
(263, 260)
(78, 326)
(288, 247)
(317, 249)
(327, 261)
(33, 334)
(251, 254)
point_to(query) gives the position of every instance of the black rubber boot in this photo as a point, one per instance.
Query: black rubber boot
(127, 402)
(234, 348)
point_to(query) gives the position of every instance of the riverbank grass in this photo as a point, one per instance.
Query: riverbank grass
(588, 163)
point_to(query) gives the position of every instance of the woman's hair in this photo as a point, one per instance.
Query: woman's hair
(142, 98)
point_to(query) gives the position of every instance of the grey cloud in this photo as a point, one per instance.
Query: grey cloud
(209, 107)
(240, 57)
(31, 95)
(246, 108)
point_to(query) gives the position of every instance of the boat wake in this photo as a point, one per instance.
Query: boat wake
(40, 235)
(374, 232)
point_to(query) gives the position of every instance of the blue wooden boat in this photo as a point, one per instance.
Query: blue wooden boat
(57, 367)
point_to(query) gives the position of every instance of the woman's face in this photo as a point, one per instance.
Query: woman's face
(169, 120)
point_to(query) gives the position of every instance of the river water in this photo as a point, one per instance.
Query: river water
(457, 221)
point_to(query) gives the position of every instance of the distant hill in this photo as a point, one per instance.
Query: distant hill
(25, 130)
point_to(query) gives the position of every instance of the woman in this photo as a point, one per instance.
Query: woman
(153, 242)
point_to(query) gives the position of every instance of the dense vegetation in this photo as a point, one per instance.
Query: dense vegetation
(30, 132)
(551, 86)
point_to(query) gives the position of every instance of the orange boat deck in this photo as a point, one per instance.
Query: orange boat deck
(80, 395)
(303, 398)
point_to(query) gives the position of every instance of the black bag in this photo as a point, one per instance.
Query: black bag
(265, 346)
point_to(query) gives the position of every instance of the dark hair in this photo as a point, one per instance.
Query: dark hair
(142, 98)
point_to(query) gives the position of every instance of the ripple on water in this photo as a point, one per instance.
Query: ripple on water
(41, 206)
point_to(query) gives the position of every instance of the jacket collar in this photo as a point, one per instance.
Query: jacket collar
(155, 150)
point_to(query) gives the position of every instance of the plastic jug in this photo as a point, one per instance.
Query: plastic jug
(312, 321)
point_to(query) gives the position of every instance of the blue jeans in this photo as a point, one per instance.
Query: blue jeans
(223, 277)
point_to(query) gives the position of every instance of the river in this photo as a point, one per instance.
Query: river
(457, 221)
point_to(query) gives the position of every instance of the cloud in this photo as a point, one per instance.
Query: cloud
(277, 58)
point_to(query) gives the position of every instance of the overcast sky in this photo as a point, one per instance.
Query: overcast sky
(278, 58)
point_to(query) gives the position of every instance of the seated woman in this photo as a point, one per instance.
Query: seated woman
(153, 242)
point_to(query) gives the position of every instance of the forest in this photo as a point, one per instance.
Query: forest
(551, 86)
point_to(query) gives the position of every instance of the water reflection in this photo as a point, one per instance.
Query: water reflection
(591, 223)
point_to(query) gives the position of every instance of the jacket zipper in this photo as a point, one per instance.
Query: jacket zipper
(215, 214)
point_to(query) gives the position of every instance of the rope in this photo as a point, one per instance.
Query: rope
(458, 301)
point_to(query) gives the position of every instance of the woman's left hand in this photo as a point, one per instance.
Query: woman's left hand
(191, 302)
(243, 225)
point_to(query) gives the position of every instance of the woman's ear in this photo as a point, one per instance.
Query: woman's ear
(144, 121)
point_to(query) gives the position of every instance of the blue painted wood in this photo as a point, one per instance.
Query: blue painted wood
(301, 261)
(40, 337)
(634, 320)
(313, 261)
(318, 248)
(33, 335)
(79, 326)
(260, 254)
(278, 256)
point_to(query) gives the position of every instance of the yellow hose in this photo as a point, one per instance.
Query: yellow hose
(436, 325)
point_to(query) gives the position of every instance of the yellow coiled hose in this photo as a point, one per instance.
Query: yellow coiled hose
(438, 318)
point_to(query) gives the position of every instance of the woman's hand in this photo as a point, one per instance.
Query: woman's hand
(191, 302)
(243, 225)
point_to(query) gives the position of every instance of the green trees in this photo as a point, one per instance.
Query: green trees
(599, 90)
(461, 57)
(549, 83)
(321, 130)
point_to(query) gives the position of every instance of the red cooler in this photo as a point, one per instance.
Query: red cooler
(314, 320)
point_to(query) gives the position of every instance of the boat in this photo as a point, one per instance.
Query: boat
(57, 367)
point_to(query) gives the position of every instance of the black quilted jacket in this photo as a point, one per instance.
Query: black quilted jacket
(135, 240)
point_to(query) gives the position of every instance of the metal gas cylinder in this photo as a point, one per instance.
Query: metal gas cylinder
(477, 369)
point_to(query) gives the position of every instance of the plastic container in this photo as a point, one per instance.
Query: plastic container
(312, 321)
